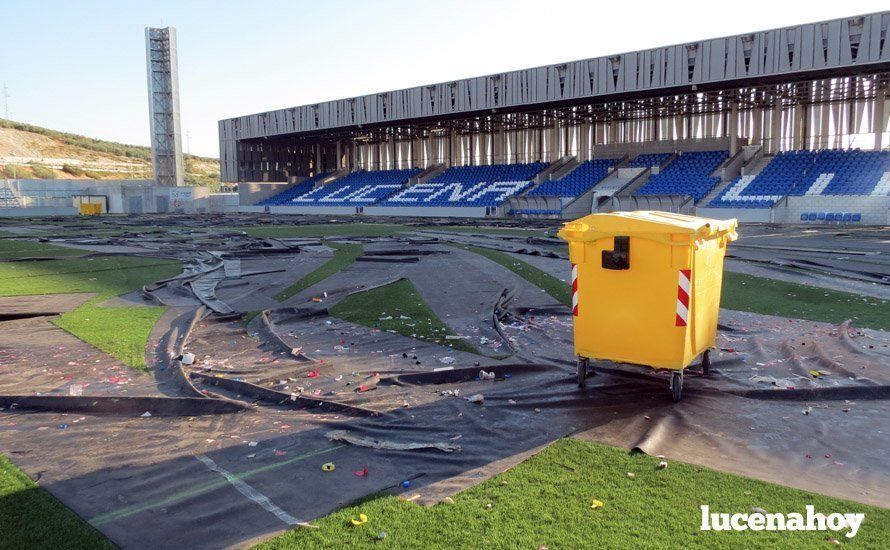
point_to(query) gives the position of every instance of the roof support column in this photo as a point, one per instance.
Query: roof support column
(775, 134)
(801, 115)
(879, 116)
(584, 141)
(733, 127)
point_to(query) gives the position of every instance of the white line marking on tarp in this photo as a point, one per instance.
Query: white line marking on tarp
(250, 492)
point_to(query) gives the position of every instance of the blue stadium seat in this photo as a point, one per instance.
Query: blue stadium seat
(578, 181)
(649, 160)
(299, 189)
(857, 217)
(803, 217)
(487, 186)
(357, 189)
(688, 174)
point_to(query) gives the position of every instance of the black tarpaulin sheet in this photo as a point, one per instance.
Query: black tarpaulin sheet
(795, 402)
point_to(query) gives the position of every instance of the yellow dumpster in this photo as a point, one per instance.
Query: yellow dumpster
(646, 288)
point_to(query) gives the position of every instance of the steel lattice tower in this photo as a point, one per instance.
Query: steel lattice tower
(163, 105)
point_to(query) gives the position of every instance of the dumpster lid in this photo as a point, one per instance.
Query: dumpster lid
(595, 226)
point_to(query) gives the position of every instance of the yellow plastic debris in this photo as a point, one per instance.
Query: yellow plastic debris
(362, 519)
(596, 504)
(328, 467)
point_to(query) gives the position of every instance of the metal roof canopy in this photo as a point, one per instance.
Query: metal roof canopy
(839, 47)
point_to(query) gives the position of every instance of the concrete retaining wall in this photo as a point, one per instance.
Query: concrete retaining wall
(747, 215)
(444, 211)
(251, 193)
(57, 197)
(874, 210)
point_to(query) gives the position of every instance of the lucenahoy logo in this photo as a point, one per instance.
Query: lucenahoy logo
(794, 521)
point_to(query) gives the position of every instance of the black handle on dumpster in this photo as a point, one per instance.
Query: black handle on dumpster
(620, 257)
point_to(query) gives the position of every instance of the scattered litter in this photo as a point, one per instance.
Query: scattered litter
(313, 374)
(807, 410)
(488, 506)
(328, 467)
(631, 475)
(382, 535)
(477, 398)
(447, 360)
(662, 465)
(75, 389)
(486, 375)
(361, 473)
(346, 437)
(188, 358)
(146, 414)
(361, 520)
(757, 510)
(63, 426)
(252, 444)
(596, 504)
(448, 500)
(280, 453)
(406, 484)
(537, 410)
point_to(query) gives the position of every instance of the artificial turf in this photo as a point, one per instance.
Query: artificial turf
(15, 248)
(376, 230)
(398, 307)
(761, 295)
(104, 274)
(122, 332)
(546, 501)
(344, 255)
(548, 283)
(30, 517)
(744, 293)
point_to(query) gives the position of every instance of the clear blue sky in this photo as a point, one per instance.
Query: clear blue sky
(79, 66)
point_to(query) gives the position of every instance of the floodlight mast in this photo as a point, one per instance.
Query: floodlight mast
(163, 106)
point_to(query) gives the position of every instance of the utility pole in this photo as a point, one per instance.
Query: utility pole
(6, 101)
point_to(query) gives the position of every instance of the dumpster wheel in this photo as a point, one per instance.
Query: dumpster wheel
(706, 362)
(676, 385)
(583, 364)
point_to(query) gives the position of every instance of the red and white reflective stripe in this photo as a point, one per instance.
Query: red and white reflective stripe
(574, 290)
(684, 284)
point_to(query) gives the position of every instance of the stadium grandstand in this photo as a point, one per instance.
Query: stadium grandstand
(783, 125)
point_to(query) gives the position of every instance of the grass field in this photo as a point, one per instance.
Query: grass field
(111, 275)
(30, 517)
(398, 307)
(546, 501)
(344, 255)
(122, 332)
(10, 248)
(744, 293)
(374, 230)
(760, 295)
(550, 284)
